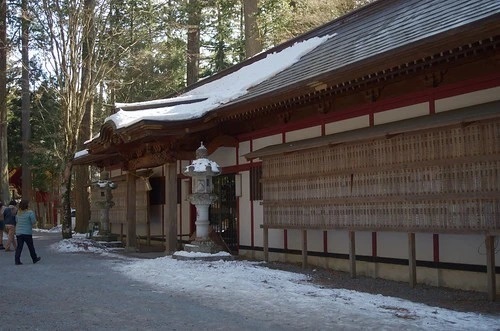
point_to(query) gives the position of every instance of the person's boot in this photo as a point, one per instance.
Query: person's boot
(37, 259)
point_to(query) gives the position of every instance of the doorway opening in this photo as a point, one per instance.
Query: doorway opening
(223, 212)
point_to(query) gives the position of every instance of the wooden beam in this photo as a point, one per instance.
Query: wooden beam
(131, 242)
(352, 253)
(304, 248)
(148, 219)
(490, 267)
(170, 219)
(411, 259)
(266, 244)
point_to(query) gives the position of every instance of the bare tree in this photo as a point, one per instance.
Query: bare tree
(66, 26)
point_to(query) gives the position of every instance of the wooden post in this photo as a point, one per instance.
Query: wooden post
(304, 248)
(352, 253)
(411, 259)
(266, 244)
(148, 220)
(121, 232)
(131, 242)
(490, 267)
(171, 206)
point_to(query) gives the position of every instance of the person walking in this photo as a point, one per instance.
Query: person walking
(24, 231)
(9, 216)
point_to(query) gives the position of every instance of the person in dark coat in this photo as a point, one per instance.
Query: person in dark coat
(9, 216)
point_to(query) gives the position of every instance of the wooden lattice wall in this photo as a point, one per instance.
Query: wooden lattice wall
(439, 180)
(118, 213)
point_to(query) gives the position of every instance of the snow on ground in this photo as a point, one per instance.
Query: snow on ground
(255, 291)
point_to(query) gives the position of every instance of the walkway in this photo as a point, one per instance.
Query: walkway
(78, 291)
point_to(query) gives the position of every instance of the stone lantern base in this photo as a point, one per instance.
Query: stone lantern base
(203, 246)
(203, 250)
(105, 237)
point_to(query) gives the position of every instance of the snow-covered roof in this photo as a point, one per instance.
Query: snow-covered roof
(381, 31)
(379, 28)
(213, 94)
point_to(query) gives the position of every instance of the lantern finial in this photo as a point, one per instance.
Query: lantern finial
(201, 152)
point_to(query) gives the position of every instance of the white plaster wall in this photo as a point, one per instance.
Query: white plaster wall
(424, 246)
(244, 148)
(244, 206)
(392, 244)
(363, 243)
(311, 132)
(347, 124)
(265, 141)
(294, 239)
(401, 113)
(338, 241)
(224, 156)
(389, 244)
(467, 99)
(276, 238)
(315, 240)
(469, 249)
(115, 172)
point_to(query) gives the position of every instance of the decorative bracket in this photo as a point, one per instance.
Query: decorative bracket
(373, 94)
(324, 107)
(285, 117)
(434, 79)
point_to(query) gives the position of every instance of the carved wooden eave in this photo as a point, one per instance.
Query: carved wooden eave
(366, 80)
(150, 160)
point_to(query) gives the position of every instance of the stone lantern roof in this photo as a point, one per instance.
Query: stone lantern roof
(202, 166)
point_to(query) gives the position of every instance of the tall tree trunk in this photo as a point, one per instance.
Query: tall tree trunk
(193, 42)
(4, 160)
(82, 175)
(25, 104)
(66, 199)
(253, 41)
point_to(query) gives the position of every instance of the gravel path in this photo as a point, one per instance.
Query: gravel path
(80, 291)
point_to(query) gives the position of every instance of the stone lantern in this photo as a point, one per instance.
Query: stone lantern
(201, 171)
(105, 203)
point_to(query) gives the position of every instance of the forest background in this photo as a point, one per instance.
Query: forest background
(64, 63)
